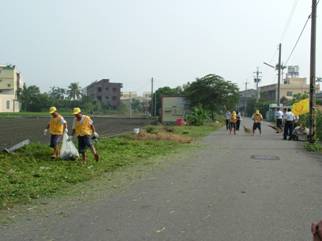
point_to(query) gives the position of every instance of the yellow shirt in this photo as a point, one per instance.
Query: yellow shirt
(233, 118)
(83, 127)
(56, 125)
(257, 118)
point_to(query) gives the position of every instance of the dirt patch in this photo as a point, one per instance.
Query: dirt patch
(164, 136)
(17, 129)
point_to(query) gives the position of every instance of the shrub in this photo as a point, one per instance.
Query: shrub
(197, 117)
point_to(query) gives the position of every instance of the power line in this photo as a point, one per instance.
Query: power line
(290, 17)
(298, 39)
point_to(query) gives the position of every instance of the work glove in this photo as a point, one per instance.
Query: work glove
(45, 132)
(96, 135)
(66, 130)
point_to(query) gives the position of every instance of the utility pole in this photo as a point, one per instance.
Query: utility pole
(151, 97)
(155, 104)
(312, 119)
(130, 105)
(257, 79)
(279, 67)
(246, 84)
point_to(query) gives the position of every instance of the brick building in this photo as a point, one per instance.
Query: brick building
(108, 93)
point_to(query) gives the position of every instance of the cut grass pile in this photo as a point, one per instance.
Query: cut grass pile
(30, 173)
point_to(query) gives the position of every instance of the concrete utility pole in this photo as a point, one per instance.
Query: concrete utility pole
(257, 79)
(279, 67)
(312, 118)
(246, 84)
(151, 96)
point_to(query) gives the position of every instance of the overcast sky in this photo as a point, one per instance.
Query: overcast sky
(55, 42)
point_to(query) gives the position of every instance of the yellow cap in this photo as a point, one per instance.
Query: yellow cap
(76, 110)
(257, 111)
(52, 109)
(234, 112)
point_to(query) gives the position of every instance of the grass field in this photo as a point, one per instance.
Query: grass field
(31, 174)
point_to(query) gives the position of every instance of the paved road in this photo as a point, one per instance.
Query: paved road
(217, 192)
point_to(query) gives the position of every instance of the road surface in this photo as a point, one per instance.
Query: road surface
(232, 188)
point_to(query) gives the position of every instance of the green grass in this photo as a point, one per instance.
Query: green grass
(313, 147)
(30, 173)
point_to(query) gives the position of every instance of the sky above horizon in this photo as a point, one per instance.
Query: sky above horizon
(57, 42)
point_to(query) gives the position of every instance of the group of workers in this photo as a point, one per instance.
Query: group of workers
(83, 128)
(287, 121)
(233, 120)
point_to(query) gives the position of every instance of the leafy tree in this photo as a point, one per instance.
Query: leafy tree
(213, 93)
(57, 93)
(137, 105)
(31, 99)
(74, 91)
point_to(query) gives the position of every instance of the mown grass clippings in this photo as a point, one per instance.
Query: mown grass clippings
(30, 173)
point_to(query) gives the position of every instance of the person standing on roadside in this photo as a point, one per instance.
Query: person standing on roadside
(233, 121)
(227, 116)
(84, 129)
(239, 119)
(289, 124)
(279, 119)
(57, 126)
(257, 118)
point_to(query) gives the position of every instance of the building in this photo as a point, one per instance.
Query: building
(290, 87)
(128, 95)
(108, 93)
(10, 82)
(292, 84)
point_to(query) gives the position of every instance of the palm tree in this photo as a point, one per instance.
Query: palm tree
(74, 91)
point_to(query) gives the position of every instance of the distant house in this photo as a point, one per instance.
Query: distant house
(290, 87)
(106, 92)
(10, 82)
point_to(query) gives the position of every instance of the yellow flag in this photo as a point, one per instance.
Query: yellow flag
(301, 107)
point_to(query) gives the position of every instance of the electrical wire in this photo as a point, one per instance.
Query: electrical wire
(290, 17)
(298, 39)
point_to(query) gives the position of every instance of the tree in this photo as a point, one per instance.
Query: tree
(213, 93)
(31, 99)
(136, 105)
(165, 91)
(74, 91)
(57, 93)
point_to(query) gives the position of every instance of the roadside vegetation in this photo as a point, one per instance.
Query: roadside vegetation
(30, 173)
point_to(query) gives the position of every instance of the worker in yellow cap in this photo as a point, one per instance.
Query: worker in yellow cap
(257, 118)
(56, 127)
(233, 121)
(84, 129)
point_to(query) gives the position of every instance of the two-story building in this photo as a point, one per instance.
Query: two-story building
(106, 92)
(10, 82)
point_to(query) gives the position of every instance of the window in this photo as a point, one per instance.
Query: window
(114, 98)
(289, 93)
(99, 89)
(99, 98)
(107, 97)
(8, 104)
(9, 85)
(114, 89)
(106, 88)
